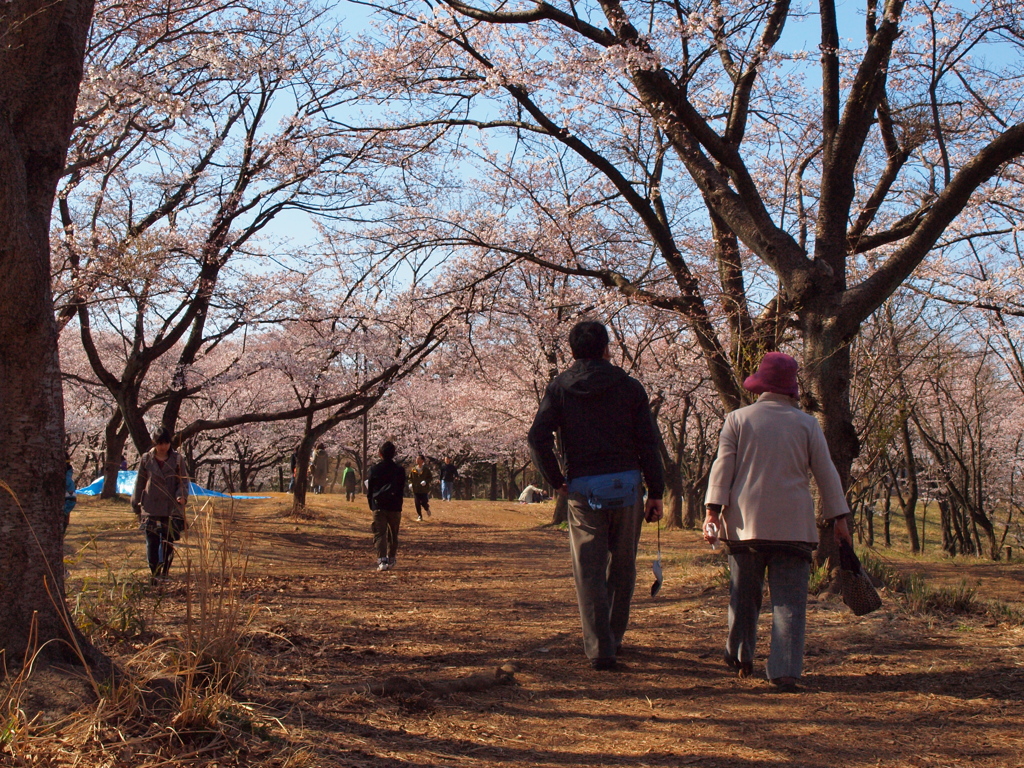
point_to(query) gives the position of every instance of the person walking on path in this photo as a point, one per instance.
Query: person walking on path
(609, 440)
(447, 476)
(759, 502)
(384, 491)
(419, 480)
(161, 490)
(70, 499)
(319, 465)
(348, 479)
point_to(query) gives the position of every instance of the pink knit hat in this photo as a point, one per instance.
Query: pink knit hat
(776, 373)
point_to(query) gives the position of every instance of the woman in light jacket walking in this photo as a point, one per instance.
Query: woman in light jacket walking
(760, 504)
(161, 490)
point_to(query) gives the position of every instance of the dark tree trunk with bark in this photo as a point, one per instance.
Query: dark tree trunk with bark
(674, 490)
(513, 486)
(828, 370)
(42, 47)
(116, 437)
(887, 501)
(869, 524)
(492, 493)
(302, 455)
(910, 506)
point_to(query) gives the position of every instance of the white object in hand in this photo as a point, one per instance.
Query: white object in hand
(711, 531)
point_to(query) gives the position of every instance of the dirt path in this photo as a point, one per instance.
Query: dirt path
(481, 584)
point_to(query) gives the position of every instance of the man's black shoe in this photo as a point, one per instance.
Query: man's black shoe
(603, 665)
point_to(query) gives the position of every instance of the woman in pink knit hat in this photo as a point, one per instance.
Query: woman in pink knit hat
(759, 501)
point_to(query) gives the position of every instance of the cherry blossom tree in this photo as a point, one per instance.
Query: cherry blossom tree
(693, 159)
(654, 348)
(938, 417)
(200, 126)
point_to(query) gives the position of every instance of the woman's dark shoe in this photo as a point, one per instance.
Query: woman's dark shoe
(786, 684)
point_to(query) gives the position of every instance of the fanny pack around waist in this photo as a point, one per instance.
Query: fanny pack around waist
(617, 489)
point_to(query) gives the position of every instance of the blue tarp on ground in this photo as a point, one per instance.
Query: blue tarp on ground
(126, 486)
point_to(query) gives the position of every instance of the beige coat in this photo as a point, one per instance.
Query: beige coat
(766, 454)
(321, 463)
(158, 488)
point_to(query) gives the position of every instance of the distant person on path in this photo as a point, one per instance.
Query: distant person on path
(384, 490)
(447, 476)
(319, 465)
(294, 461)
(161, 490)
(123, 465)
(348, 479)
(760, 503)
(70, 499)
(609, 439)
(419, 480)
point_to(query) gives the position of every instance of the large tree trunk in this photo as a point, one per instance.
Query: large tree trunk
(674, 495)
(910, 508)
(513, 487)
(886, 509)
(243, 475)
(302, 455)
(116, 437)
(41, 54)
(694, 516)
(828, 370)
(869, 524)
(675, 492)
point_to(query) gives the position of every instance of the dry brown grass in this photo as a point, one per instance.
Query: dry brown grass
(303, 630)
(174, 700)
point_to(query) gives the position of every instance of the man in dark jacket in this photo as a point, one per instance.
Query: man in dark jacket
(385, 489)
(447, 477)
(608, 440)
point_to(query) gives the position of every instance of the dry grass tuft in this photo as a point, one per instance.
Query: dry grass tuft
(175, 701)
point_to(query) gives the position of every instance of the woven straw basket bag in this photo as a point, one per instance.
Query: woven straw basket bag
(858, 591)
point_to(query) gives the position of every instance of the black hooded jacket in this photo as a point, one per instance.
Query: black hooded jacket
(605, 423)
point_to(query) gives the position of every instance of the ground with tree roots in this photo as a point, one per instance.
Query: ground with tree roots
(360, 668)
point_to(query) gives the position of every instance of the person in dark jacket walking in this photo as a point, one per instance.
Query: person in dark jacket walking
(609, 440)
(447, 477)
(161, 490)
(385, 489)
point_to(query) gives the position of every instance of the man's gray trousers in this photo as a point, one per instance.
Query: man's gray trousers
(603, 543)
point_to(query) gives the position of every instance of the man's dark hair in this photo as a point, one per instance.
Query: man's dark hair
(387, 451)
(588, 340)
(161, 435)
(421, 457)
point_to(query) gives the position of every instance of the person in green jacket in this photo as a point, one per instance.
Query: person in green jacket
(348, 479)
(419, 481)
